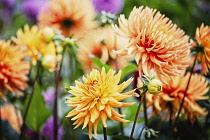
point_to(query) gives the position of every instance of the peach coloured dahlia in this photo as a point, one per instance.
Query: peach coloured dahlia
(94, 99)
(173, 93)
(202, 37)
(100, 43)
(156, 42)
(70, 16)
(13, 69)
(12, 115)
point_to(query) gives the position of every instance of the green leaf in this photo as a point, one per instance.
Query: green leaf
(38, 112)
(128, 69)
(98, 63)
(144, 87)
(67, 89)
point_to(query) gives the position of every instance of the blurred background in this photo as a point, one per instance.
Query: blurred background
(187, 14)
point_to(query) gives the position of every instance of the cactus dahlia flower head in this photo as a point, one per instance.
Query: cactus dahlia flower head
(70, 16)
(156, 42)
(95, 98)
(13, 69)
(172, 95)
(202, 37)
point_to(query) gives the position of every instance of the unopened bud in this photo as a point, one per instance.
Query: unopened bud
(154, 86)
(49, 62)
(48, 34)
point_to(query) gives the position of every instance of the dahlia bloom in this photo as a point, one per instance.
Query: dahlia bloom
(32, 42)
(96, 98)
(12, 115)
(112, 6)
(173, 94)
(100, 43)
(202, 37)
(70, 16)
(156, 42)
(13, 69)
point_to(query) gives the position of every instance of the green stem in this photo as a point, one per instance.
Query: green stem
(185, 93)
(137, 113)
(55, 108)
(142, 132)
(29, 102)
(121, 124)
(145, 113)
(105, 135)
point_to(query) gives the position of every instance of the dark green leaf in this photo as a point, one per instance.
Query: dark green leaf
(38, 112)
(98, 63)
(144, 87)
(67, 89)
(128, 69)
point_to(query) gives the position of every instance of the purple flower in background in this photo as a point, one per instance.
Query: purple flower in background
(48, 130)
(6, 12)
(112, 6)
(31, 8)
(31, 134)
(49, 95)
(9, 4)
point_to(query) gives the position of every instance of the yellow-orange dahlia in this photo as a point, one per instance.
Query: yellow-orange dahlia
(33, 43)
(70, 16)
(156, 42)
(94, 99)
(13, 69)
(202, 37)
(172, 95)
(100, 43)
(12, 115)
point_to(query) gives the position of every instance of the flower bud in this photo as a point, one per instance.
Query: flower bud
(48, 34)
(49, 62)
(154, 86)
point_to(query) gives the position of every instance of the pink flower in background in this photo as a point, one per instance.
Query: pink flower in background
(49, 95)
(112, 6)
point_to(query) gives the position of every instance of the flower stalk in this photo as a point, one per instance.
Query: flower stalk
(137, 113)
(30, 99)
(105, 135)
(57, 82)
(185, 93)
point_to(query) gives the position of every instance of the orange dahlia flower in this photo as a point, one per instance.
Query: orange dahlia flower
(32, 42)
(13, 69)
(69, 16)
(94, 99)
(172, 95)
(202, 37)
(11, 115)
(100, 43)
(156, 42)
